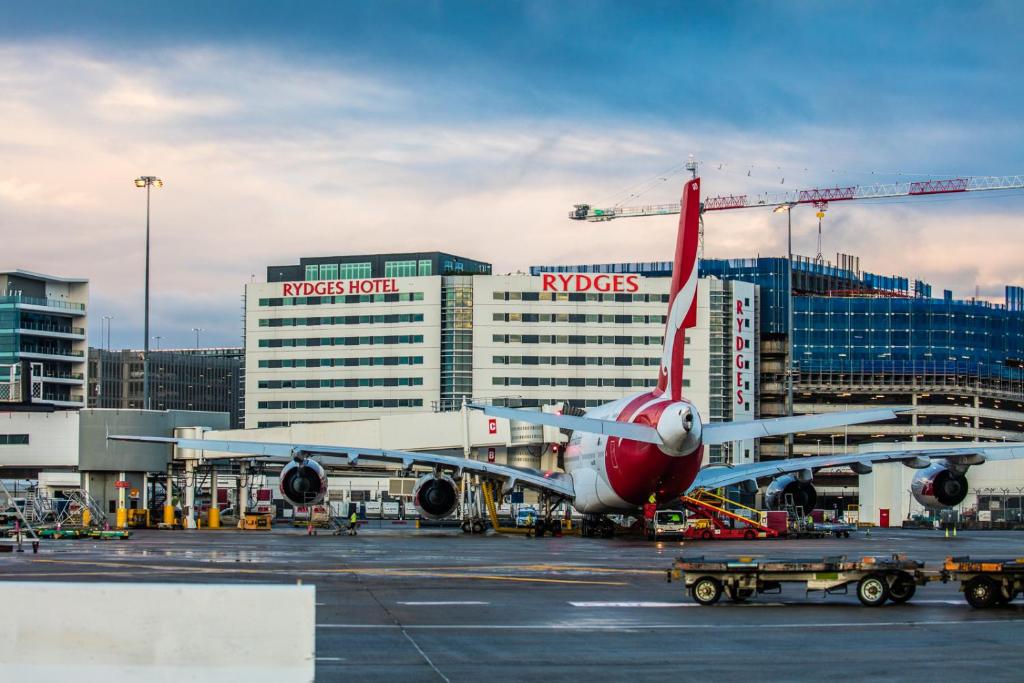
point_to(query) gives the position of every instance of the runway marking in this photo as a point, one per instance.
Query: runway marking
(444, 602)
(683, 627)
(313, 572)
(634, 604)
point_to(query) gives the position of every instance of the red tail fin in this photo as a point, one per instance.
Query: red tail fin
(682, 300)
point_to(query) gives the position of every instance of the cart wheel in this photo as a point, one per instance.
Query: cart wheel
(749, 534)
(706, 534)
(739, 594)
(902, 588)
(706, 590)
(478, 527)
(872, 590)
(846, 534)
(981, 592)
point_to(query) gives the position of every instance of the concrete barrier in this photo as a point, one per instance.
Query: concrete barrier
(157, 632)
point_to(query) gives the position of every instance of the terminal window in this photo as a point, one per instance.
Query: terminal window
(13, 439)
(399, 268)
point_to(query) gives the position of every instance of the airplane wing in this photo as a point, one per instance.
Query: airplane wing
(713, 432)
(723, 475)
(349, 456)
(721, 432)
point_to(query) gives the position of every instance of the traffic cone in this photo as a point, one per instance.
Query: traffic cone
(954, 532)
(947, 532)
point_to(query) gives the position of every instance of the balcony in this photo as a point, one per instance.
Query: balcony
(45, 305)
(34, 329)
(51, 353)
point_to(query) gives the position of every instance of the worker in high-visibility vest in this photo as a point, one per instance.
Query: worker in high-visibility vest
(353, 523)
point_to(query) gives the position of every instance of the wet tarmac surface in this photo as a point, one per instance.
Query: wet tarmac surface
(436, 605)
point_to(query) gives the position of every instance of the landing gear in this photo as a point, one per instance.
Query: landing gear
(597, 526)
(473, 526)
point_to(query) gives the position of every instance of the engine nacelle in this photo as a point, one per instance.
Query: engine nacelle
(303, 482)
(436, 496)
(939, 487)
(680, 429)
(803, 492)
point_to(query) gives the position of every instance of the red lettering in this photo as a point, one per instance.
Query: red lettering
(632, 283)
(739, 379)
(320, 288)
(583, 283)
(739, 306)
(307, 288)
(602, 283)
(739, 396)
(739, 343)
(740, 362)
(566, 279)
(547, 281)
(286, 290)
(739, 325)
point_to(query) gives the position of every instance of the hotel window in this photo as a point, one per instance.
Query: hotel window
(328, 271)
(425, 267)
(399, 268)
(312, 272)
(354, 271)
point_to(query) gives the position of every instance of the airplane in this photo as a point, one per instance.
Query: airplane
(647, 447)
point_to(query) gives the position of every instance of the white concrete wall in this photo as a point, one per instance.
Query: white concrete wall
(157, 632)
(52, 439)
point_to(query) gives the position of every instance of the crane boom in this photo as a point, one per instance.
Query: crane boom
(820, 197)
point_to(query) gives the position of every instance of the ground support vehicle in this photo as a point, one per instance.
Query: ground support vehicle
(710, 518)
(839, 530)
(877, 579)
(986, 583)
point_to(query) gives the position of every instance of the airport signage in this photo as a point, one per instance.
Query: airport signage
(121, 484)
(585, 282)
(492, 426)
(490, 455)
(332, 287)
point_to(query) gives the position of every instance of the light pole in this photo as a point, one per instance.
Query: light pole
(787, 208)
(157, 338)
(106, 321)
(197, 330)
(146, 181)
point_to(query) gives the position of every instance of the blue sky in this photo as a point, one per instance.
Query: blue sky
(289, 129)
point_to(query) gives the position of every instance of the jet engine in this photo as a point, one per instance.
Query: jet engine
(939, 487)
(804, 494)
(303, 482)
(436, 496)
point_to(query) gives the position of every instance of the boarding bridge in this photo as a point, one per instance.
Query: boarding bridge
(13, 388)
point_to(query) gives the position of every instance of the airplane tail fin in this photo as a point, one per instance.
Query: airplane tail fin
(682, 301)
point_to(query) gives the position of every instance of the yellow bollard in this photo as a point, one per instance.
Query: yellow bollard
(86, 517)
(122, 518)
(213, 518)
(169, 515)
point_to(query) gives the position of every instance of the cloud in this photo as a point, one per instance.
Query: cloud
(268, 157)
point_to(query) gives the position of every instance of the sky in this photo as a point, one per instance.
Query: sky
(284, 130)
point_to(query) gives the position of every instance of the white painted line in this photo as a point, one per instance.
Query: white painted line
(330, 659)
(683, 627)
(432, 603)
(634, 604)
(962, 603)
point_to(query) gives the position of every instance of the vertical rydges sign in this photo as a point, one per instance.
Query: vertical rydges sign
(743, 364)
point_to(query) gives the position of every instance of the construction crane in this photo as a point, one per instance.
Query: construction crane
(819, 197)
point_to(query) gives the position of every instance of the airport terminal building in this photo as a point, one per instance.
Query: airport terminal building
(343, 338)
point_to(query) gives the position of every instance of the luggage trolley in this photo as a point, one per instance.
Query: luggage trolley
(986, 583)
(877, 579)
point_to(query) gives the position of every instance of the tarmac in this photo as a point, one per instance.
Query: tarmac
(437, 605)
